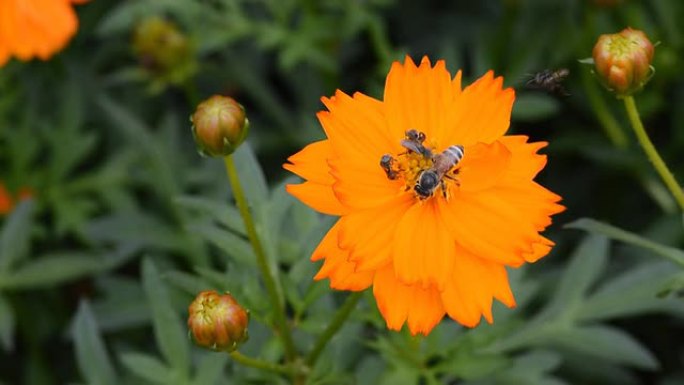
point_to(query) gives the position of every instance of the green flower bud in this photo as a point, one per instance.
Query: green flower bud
(623, 61)
(165, 53)
(219, 126)
(217, 321)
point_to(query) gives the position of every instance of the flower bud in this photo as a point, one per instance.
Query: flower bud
(217, 321)
(219, 126)
(623, 61)
(164, 51)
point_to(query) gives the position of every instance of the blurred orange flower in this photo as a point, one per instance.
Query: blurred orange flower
(7, 202)
(35, 28)
(428, 247)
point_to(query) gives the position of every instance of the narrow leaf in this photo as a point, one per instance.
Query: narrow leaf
(52, 270)
(608, 343)
(92, 359)
(221, 212)
(633, 292)
(586, 265)
(147, 367)
(7, 324)
(15, 235)
(251, 177)
(231, 244)
(210, 368)
(587, 224)
(168, 330)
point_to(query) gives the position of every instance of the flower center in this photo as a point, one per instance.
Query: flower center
(421, 168)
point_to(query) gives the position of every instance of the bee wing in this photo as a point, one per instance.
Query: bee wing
(412, 146)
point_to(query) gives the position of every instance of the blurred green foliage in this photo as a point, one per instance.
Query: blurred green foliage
(128, 223)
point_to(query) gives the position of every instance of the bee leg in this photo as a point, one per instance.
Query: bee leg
(444, 189)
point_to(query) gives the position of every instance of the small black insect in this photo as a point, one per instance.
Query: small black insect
(387, 163)
(550, 81)
(414, 143)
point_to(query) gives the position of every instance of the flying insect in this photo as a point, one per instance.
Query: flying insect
(550, 81)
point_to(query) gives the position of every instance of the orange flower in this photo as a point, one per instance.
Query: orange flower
(426, 252)
(30, 28)
(6, 203)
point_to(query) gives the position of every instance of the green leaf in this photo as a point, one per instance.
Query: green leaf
(120, 306)
(616, 233)
(233, 245)
(631, 293)
(7, 324)
(135, 228)
(534, 106)
(169, 332)
(221, 212)
(608, 343)
(15, 235)
(587, 263)
(91, 356)
(189, 283)
(210, 368)
(252, 178)
(147, 367)
(51, 270)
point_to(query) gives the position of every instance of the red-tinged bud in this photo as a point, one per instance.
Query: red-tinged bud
(217, 321)
(219, 126)
(623, 61)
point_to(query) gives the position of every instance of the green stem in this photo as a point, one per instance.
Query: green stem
(337, 322)
(652, 153)
(260, 364)
(262, 262)
(608, 122)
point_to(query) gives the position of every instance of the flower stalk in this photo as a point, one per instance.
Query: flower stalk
(651, 152)
(269, 281)
(610, 125)
(260, 364)
(337, 322)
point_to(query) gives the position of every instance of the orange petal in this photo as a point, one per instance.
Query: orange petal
(483, 165)
(317, 196)
(311, 163)
(525, 162)
(481, 113)
(399, 302)
(368, 233)
(474, 283)
(356, 128)
(423, 250)
(336, 267)
(471, 231)
(531, 200)
(475, 217)
(416, 97)
(363, 186)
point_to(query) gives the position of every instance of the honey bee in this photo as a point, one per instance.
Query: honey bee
(430, 178)
(550, 81)
(387, 164)
(414, 142)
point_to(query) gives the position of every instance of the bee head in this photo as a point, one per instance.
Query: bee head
(427, 183)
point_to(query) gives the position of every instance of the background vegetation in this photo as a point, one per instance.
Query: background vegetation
(127, 223)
